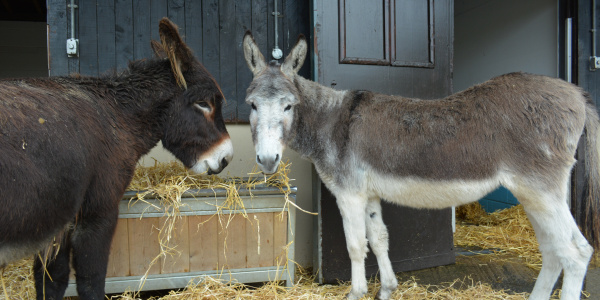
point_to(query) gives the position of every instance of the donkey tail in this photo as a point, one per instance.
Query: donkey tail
(591, 196)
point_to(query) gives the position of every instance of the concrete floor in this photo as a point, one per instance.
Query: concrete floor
(501, 271)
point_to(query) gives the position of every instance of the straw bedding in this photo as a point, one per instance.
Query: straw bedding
(506, 231)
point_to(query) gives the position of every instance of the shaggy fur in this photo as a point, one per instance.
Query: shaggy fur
(69, 146)
(517, 130)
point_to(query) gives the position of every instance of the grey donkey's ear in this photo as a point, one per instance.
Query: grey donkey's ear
(255, 59)
(294, 61)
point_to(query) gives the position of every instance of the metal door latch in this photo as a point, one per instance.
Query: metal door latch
(73, 47)
(594, 63)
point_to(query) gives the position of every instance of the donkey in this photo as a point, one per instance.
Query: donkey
(516, 130)
(69, 147)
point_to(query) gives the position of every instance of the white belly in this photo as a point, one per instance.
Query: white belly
(423, 193)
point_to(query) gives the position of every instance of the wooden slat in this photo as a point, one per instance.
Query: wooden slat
(141, 29)
(118, 261)
(259, 24)
(178, 259)
(193, 26)
(228, 46)
(88, 38)
(243, 13)
(290, 25)
(106, 36)
(143, 246)
(57, 37)
(203, 243)
(176, 13)
(231, 243)
(210, 37)
(123, 32)
(280, 225)
(158, 10)
(259, 237)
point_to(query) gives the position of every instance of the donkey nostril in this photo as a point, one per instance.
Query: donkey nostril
(224, 163)
(277, 157)
(258, 159)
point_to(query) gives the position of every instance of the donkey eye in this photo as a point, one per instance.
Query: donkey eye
(287, 108)
(202, 105)
(253, 106)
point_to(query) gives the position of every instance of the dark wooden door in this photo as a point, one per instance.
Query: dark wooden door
(400, 47)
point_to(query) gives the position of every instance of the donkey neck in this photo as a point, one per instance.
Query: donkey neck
(139, 96)
(316, 118)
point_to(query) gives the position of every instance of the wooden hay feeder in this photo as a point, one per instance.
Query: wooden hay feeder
(206, 240)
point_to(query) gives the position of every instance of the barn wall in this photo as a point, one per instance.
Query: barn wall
(501, 36)
(113, 32)
(23, 49)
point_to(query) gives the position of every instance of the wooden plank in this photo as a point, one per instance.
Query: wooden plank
(203, 243)
(227, 58)
(193, 26)
(176, 13)
(158, 10)
(141, 29)
(210, 37)
(280, 224)
(57, 37)
(118, 261)
(260, 15)
(106, 36)
(259, 240)
(123, 32)
(143, 246)
(290, 23)
(88, 38)
(178, 259)
(231, 243)
(243, 13)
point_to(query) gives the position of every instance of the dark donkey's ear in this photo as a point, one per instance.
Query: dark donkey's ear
(158, 50)
(294, 61)
(254, 59)
(177, 51)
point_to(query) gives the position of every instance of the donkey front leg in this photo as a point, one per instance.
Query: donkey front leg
(91, 246)
(352, 208)
(52, 274)
(378, 237)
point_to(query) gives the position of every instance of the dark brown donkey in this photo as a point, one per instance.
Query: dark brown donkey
(68, 150)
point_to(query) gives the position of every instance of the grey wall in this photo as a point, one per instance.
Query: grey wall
(493, 37)
(23, 49)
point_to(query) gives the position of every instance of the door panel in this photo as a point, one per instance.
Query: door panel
(362, 39)
(413, 33)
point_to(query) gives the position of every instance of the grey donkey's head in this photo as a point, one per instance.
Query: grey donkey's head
(272, 96)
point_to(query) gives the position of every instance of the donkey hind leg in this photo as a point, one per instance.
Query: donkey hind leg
(562, 245)
(378, 237)
(352, 208)
(91, 246)
(52, 276)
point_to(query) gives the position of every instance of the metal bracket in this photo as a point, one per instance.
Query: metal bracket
(594, 63)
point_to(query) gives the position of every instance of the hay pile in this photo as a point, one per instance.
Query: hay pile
(306, 288)
(504, 231)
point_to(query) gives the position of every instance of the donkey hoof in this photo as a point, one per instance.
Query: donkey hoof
(355, 295)
(386, 290)
(384, 293)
